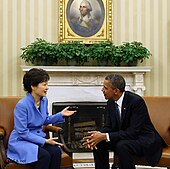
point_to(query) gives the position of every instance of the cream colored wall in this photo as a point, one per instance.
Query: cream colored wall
(22, 21)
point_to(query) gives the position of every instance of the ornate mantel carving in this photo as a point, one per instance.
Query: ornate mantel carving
(93, 76)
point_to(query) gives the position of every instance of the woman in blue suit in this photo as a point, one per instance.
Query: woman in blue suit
(27, 143)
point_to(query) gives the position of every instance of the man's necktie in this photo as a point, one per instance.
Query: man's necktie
(118, 111)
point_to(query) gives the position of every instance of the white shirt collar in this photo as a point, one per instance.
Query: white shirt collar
(120, 100)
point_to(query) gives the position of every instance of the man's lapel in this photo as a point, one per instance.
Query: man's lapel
(124, 107)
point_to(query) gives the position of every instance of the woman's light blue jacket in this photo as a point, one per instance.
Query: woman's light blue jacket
(27, 134)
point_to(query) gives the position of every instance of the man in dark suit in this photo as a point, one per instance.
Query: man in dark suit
(128, 130)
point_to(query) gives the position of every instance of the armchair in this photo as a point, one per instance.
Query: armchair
(7, 105)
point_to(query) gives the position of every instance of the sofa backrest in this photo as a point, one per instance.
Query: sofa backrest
(158, 107)
(159, 111)
(7, 104)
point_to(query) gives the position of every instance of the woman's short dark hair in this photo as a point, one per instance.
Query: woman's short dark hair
(33, 77)
(116, 81)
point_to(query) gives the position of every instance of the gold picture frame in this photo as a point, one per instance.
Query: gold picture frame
(72, 27)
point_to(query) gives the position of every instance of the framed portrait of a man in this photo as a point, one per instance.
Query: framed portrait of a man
(85, 20)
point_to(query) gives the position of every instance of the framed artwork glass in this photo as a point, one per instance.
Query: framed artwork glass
(85, 20)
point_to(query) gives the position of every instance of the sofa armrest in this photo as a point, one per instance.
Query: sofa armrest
(3, 157)
(60, 133)
(54, 129)
(2, 133)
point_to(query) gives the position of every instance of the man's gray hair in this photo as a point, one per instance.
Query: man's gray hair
(88, 5)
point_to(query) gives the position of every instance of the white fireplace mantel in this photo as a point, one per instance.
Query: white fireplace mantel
(106, 69)
(94, 76)
(84, 83)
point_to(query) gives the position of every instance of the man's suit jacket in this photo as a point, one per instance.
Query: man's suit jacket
(135, 124)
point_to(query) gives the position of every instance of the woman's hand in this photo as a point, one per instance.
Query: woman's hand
(53, 142)
(66, 112)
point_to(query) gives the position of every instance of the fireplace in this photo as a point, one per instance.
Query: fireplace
(80, 86)
(89, 117)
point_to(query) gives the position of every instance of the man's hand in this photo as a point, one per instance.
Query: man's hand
(93, 139)
(53, 142)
